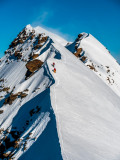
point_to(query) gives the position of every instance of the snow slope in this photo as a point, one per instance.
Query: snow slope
(52, 35)
(99, 59)
(23, 122)
(88, 128)
(71, 114)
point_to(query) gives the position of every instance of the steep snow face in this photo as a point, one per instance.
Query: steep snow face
(70, 114)
(26, 116)
(94, 55)
(52, 35)
(86, 109)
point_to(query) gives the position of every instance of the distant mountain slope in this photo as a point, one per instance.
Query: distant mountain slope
(54, 107)
(94, 55)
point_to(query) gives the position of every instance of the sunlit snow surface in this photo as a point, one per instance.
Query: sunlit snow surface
(80, 115)
(100, 58)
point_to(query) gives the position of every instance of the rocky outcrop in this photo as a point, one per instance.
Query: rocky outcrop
(78, 51)
(18, 54)
(34, 65)
(39, 41)
(13, 97)
(34, 56)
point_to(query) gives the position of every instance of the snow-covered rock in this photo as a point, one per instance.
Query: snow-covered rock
(97, 58)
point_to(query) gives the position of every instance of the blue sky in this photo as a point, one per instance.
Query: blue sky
(101, 18)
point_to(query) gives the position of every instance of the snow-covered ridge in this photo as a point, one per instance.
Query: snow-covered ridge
(94, 55)
(54, 37)
(54, 107)
(25, 107)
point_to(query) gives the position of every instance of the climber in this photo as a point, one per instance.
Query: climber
(53, 64)
(54, 70)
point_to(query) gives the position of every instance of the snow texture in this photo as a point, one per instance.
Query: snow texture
(70, 114)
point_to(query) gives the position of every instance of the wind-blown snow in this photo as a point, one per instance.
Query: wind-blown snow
(54, 37)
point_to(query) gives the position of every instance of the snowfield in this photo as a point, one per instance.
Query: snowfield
(87, 112)
(70, 114)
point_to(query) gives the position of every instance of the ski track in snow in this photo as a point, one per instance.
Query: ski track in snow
(57, 118)
(57, 82)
